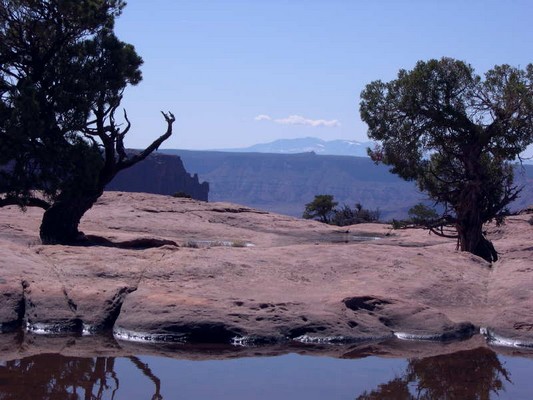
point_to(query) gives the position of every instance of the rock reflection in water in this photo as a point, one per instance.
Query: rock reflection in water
(465, 375)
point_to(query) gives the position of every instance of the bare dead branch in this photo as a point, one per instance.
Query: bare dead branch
(121, 151)
(169, 118)
(128, 125)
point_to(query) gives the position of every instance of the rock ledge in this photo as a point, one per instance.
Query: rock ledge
(258, 278)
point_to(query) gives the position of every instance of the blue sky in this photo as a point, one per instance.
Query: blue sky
(240, 72)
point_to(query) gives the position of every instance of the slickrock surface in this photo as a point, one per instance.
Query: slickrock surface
(227, 273)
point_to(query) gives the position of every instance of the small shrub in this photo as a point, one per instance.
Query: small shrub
(358, 215)
(182, 195)
(399, 224)
(420, 214)
(321, 208)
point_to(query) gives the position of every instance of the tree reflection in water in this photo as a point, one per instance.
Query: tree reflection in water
(465, 375)
(56, 377)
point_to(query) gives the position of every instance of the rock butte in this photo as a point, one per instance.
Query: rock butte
(226, 274)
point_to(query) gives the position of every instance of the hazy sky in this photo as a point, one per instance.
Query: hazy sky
(240, 72)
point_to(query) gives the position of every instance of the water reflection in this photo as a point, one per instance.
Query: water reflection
(474, 374)
(465, 375)
(56, 377)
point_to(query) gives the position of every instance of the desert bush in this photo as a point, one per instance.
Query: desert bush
(321, 208)
(182, 195)
(420, 214)
(351, 216)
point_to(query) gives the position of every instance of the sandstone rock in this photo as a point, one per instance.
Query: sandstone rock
(226, 273)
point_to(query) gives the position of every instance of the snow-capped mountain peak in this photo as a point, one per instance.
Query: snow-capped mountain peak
(309, 144)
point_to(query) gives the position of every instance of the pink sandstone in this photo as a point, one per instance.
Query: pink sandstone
(226, 273)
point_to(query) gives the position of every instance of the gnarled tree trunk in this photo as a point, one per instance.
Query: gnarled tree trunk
(470, 223)
(472, 239)
(60, 222)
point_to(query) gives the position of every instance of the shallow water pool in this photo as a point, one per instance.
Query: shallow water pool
(470, 374)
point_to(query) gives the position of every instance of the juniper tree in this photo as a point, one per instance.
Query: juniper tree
(322, 207)
(456, 134)
(62, 76)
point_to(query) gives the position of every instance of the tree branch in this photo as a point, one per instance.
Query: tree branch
(154, 146)
(25, 202)
(439, 231)
(121, 151)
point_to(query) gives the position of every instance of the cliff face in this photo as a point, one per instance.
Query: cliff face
(160, 174)
(284, 183)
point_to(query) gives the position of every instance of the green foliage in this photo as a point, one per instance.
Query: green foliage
(62, 77)
(61, 63)
(320, 208)
(182, 195)
(399, 223)
(357, 215)
(420, 214)
(455, 134)
(323, 209)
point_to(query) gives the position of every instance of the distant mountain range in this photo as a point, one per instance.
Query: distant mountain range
(284, 175)
(337, 147)
(307, 145)
(284, 183)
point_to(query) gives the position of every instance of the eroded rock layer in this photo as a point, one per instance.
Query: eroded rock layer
(179, 270)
